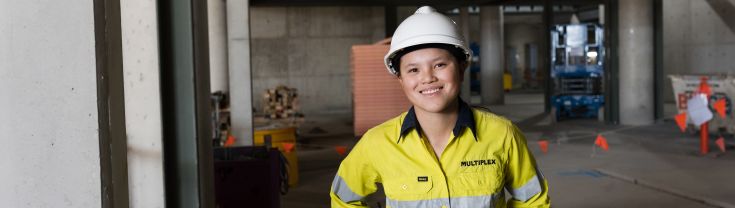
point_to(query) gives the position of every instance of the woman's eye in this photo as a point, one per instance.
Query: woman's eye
(440, 65)
(413, 70)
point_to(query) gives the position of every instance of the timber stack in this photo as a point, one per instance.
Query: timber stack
(281, 102)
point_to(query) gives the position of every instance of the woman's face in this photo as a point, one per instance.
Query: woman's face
(431, 79)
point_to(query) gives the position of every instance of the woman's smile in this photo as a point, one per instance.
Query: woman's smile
(431, 91)
(431, 79)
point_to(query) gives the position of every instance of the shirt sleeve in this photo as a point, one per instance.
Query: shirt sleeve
(355, 179)
(522, 177)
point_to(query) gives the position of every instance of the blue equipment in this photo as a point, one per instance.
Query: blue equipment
(577, 55)
(475, 68)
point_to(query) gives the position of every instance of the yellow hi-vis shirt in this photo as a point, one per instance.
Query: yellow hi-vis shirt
(485, 155)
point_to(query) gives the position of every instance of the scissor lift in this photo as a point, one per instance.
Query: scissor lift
(577, 54)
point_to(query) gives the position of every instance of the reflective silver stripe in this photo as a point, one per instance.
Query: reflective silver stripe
(474, 201)
(417, 203)
(528, 190)
(340, 188)
(485, 201)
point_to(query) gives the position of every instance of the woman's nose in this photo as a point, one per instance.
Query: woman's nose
(427, 76)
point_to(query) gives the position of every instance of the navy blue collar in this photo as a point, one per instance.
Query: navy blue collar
(465, 118)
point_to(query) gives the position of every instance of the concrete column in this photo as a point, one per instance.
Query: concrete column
(139, 26)
(635, 31)
(241, 88)
(601, 18)
(49, 119)
(216, 11)
(464, 23)
(491, 51)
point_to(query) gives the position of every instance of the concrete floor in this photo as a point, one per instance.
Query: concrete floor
(647, 166)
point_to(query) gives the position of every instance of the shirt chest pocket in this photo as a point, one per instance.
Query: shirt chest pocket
(407, 188)
(483, 182)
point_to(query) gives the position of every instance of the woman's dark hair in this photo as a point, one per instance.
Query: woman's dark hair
(457, 52)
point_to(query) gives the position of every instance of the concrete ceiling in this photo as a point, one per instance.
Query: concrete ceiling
(417, 2)
(371, 2)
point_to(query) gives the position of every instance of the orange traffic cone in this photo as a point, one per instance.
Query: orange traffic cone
(288, 147)
(601, 142)
(341, 150)
(721, 143)
(681, 120)
(720, 107)
(230, 141)
(544, 144)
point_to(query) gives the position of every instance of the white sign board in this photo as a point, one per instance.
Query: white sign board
(723, 87)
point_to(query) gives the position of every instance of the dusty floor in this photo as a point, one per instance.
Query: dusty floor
(646, 166)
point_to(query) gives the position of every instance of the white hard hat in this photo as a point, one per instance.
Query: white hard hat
(425, 26)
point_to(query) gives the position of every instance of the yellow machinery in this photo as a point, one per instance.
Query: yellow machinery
(507, 82)
(279, 137)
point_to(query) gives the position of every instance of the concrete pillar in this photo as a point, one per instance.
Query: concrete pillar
(241, 89)
(139, 27)
(635, 31)
(218, 73)
(49, 115)
(601, 18)
(464, 23)
(491, 51)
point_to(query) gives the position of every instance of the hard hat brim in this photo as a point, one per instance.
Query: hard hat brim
(420, 40)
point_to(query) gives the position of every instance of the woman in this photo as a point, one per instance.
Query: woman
(442, 152)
